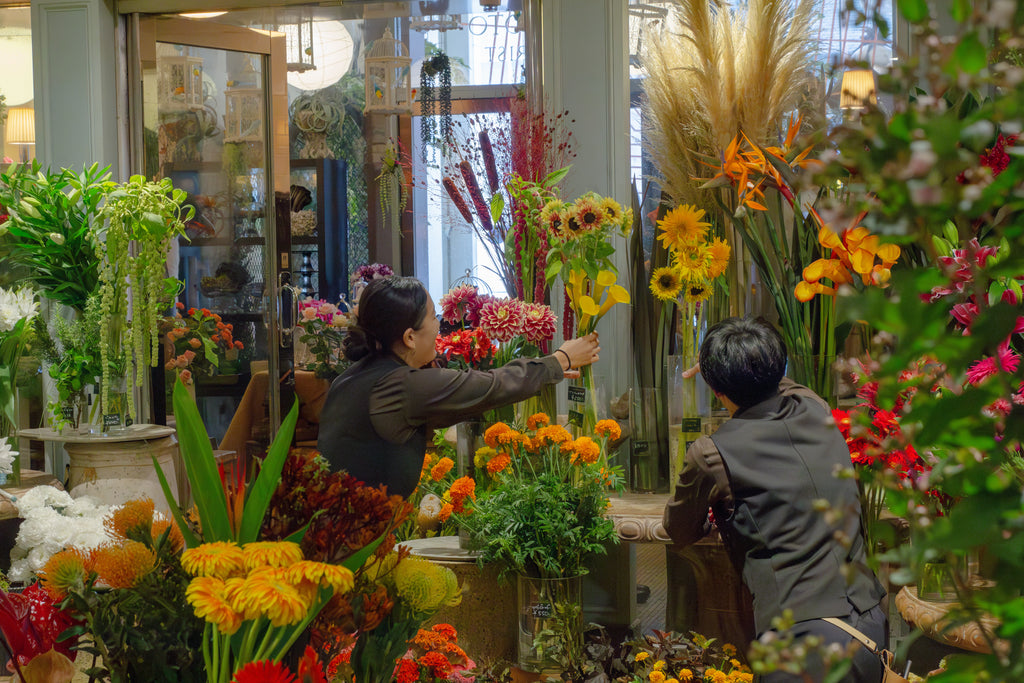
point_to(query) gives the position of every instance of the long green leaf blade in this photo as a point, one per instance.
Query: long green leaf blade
(266, 482)
(191, 540)
(201, 468)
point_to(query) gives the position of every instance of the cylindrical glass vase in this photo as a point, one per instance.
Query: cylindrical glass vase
(550, 621)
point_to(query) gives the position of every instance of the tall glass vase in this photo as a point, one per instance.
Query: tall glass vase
(689, 407)
(550, 622)
(648, 440)
(583, 402)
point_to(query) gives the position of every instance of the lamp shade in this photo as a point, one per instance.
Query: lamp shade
(858, 89)
(21, 126)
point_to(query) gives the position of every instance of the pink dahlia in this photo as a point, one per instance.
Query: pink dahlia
(502, 319)
(458, 302)
(539, 325)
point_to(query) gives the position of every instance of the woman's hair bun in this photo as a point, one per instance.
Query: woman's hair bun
(356, 345)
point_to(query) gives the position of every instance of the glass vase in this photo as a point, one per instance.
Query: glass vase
(469, 438)
(583, 403)
(689, 408)
(550, 622)
(115, 415)
(649, 439)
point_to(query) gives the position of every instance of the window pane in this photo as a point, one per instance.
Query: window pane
(488, 49)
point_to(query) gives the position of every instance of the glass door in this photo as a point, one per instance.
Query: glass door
(214, 120)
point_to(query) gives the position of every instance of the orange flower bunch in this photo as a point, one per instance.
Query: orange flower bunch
(197, 341)
(854, 250)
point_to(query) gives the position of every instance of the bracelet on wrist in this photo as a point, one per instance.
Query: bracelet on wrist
(567, 359)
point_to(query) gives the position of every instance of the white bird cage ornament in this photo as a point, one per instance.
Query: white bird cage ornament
(299, 45)
(387, 76)
(180, 82)
(243, 115)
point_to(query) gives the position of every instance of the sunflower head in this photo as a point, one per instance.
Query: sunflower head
(666, 283)
(589, 213)
(682, 226)
(696, 290)
(612, 210)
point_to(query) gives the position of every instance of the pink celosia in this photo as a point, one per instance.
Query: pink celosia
(502, 319)
(539, 323)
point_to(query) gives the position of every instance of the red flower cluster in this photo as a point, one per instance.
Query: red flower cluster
(310, 670)
(881, 444)
(434, 655)
(472, 348)
(31, 621)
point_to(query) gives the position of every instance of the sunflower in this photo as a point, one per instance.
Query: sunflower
(209, 598)
(589, 213)
(695, 291)
(612, 210)
(693, 263)
(666, 283)
(551, 216)
(570, 228)
(682, 226)
(271, 554)
(218, 558)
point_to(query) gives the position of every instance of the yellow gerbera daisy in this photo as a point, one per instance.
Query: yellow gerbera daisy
(321, 574)
(268, 593)
(209, 598)
(682, 226)
(218, 558)
(665, 283)
(685, 675)
(271, 554)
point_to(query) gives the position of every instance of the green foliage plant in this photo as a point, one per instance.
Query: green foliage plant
(913, 170)
(142, 218)
(50, 231)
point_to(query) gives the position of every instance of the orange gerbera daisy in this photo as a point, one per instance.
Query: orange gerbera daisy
(443, 467)
(320, 574)
(271, 554)
(218, 558)
(209, 598)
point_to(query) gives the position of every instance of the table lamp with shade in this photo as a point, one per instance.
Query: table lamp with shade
(21, 129)
(857, 89)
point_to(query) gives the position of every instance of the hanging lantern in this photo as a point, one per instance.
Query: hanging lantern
(387, 76)
(180, 82)
(243, 114)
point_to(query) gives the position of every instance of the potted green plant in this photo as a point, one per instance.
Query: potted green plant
(147, 215)
(540, 518)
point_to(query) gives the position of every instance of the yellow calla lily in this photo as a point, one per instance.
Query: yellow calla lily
(889, 253)
(587, 309)
(574, 286)
(830, 268)
(616, 295)
(829, 239)
(805, 291)
(862, 261)
(605, 279)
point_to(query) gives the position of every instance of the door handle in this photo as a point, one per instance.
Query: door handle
(287, 308)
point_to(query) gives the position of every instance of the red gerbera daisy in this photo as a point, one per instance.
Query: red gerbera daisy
(264, 672)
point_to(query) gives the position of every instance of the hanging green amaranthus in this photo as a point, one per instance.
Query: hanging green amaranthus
(147, 215)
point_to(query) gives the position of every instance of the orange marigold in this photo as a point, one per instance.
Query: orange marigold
(498, 464)
(553, 434)
(121, 566)
(462, 488)
(587, 449)
(609, 428)
(443, 467)
(511, 438)
(537, 420)
(494, 432)
(446, 511)
(134, 517)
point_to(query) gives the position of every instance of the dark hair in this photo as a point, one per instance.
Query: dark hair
(743, 359)
(388, 306)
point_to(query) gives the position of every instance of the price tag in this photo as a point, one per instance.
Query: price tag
(576, 418)
(541, 610)
(640, 447)
(690, 424)
(68, 413)
(577, 394)
(111, 420)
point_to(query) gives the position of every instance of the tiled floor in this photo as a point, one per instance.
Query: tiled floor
(650, 571)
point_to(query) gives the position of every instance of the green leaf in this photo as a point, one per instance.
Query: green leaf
(191, 540)
(555, 177)
(914, 11)
(969, 56)
(961, 10)
(201, 468)
(358, 558)
(552, 270)
(266, 481)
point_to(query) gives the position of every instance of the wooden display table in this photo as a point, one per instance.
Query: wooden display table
(119, 467)
(929, 616)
